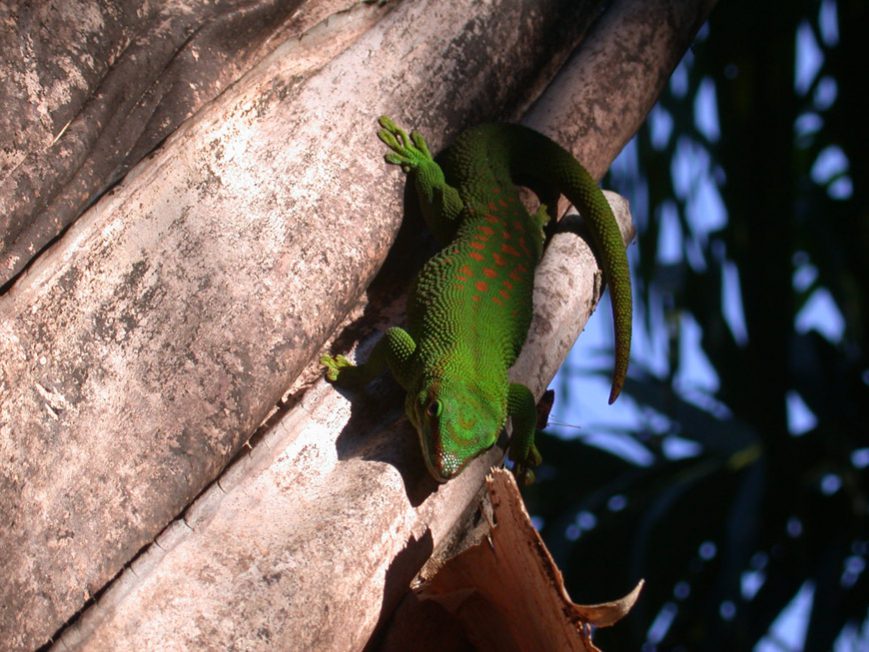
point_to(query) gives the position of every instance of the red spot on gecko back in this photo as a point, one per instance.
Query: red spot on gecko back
(482, 286)
(489, 272)
(477, 245)
(486, 230)
(519, 272)
(499, 259)
(491, 218)
(476, 255)
(504, 294)
(466, 270)
(507, 249)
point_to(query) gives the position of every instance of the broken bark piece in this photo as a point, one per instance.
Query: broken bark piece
(508, 592)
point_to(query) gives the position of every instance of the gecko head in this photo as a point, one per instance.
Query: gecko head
(456, 422)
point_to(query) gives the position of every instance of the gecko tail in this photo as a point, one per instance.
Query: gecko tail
(533, 155)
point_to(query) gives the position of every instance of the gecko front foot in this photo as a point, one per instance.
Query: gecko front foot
(409, 152)
(523, 468)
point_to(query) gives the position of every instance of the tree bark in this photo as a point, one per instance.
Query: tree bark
(141, 351)
(146, 346)
(312, 538)
(89, 89)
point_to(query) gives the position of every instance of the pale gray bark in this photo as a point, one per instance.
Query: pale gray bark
(306, 541)
(89, 89)
(143, 349)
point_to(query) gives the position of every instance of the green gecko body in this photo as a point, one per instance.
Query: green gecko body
(470, 307)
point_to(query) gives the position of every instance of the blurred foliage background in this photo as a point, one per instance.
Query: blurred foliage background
(747, 512)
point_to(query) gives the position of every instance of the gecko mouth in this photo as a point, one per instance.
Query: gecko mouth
(442, 466)
(449, 467)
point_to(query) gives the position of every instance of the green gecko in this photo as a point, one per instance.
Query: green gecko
(470, 308)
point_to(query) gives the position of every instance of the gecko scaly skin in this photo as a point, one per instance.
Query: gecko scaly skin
(469, 309)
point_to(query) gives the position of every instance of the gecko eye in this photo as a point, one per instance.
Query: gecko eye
(433, 409)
